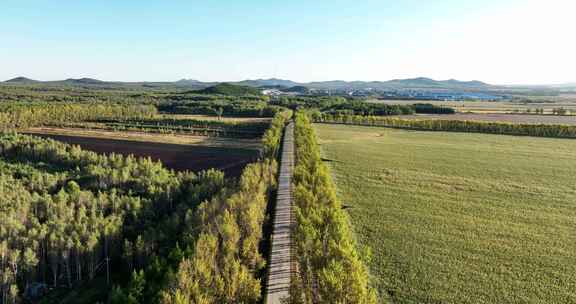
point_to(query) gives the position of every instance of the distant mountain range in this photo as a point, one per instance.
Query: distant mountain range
(412, 83)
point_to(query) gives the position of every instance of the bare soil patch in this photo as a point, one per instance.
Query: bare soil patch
(174, 156)
(181, 139)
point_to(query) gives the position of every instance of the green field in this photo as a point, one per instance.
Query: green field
(460, 218)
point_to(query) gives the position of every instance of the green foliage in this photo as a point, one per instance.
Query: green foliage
(331, 270)
(24, 115)
(295, 102)
(541, 130)
(369, 108)
(273, 136)
(66, 211)
(136, 288)
(230, 90)
(428, 108)
(221, 107)
(350, 106)
(249, 129)
(226, 262)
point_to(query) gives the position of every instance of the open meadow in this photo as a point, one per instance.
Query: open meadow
(459, 217)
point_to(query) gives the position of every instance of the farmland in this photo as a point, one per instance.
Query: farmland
(486, 107)
(500, 117)
(183, 139)
(459, 218)
(173, 156)
(150, 196)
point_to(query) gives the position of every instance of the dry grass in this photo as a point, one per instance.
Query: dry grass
(499, 117)
(492, 107)
(207, 117)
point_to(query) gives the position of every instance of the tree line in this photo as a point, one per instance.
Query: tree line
(539, 130)
(24, 115)
(237, 108)
(223, 261)
(220, 128)
(330, 267)
(353, 106)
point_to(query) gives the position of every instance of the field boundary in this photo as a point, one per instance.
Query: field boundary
(280, 262)
(434, 130)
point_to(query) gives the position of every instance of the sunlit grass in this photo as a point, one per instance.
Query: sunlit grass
(460, 218)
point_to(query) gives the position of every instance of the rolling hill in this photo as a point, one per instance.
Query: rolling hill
(229, 89)
(411, 83)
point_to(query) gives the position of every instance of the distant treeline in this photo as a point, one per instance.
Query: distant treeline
(331, 269)
(221, 108)
(541, 130)
(25, 115)
(428, 108)
(230, 90)
(340, 105)
(319, 102)
(123, 94)
(381, 109)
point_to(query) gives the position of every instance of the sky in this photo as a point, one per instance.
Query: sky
(499, 42)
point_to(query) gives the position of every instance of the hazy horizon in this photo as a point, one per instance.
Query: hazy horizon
(509, 42)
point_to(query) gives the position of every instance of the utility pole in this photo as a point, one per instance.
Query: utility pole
(107, 271)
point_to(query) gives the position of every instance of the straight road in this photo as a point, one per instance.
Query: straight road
(279, 267)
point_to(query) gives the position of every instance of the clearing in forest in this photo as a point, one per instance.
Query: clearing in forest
(231, 160)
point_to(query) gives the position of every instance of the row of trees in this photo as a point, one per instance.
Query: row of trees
(350, 106)
(330, 267)
(69, 215)
(540, 111)
(25, 115)
(222, 257)
(238, 108)
(227, 265)
(428, 108)
(369, 108)
(541, 130)
(382, 109)
(248, 129)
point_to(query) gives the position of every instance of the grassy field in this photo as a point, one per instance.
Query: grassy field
(460, 218)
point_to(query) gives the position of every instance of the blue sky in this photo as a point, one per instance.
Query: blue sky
(504, 42)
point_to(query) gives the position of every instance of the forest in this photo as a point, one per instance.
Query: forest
(73, 217)
(237, 108)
